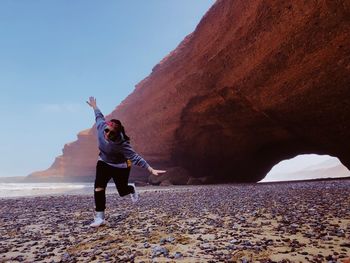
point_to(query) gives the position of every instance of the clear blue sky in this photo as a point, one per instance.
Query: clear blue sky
(55, 54)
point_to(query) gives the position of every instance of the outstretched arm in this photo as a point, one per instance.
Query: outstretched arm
(100, 119)
(155, 172)
(136, 159)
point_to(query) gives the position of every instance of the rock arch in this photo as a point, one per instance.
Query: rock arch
(258, 81)
(225, 137)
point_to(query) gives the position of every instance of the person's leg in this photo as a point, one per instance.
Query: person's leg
(121, 178)
(103, 175)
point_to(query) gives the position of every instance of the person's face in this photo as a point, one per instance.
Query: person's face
(110, 133)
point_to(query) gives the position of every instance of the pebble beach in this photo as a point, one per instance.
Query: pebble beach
(271, 222)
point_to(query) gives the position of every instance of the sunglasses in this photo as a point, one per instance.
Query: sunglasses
(112, 135)
(109, 131)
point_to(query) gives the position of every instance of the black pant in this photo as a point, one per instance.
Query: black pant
(104, 173)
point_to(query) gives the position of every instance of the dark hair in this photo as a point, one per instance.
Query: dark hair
(121, 128)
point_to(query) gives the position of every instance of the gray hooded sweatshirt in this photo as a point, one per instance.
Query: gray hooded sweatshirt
(115, 152)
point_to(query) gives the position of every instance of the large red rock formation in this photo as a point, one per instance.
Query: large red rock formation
(257, 82)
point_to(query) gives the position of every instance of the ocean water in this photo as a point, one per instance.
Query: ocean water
(11, 190)
(37, 189)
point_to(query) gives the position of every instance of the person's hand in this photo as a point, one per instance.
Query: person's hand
(92, 102)
(155, 172)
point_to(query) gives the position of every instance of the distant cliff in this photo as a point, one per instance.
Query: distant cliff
(258, 81)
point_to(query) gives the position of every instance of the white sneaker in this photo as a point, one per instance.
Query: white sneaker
(135, 195)
(99, 220)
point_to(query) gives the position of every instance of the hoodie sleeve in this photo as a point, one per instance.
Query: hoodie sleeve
(130, 154)
(100, 119)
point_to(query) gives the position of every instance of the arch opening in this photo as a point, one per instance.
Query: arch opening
(307, 167)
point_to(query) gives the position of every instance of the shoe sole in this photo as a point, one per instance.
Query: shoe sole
(95, 226)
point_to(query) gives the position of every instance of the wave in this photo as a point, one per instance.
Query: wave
(40, 186)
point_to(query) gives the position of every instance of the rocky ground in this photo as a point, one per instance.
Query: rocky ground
(286, 222)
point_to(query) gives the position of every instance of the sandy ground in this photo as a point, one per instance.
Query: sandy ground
(289, 222)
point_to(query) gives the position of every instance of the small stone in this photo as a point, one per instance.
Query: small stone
(170, 239)
(178, 255)
(345, 245)
(329, 257)
(65, 257)
(158, 250)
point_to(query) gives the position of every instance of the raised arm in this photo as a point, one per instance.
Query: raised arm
(100, 119)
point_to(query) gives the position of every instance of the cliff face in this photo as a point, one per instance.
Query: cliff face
(257, 82)
(77, 163)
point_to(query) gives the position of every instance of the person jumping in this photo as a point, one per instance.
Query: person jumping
(114, 161)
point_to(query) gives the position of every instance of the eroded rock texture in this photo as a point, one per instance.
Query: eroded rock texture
(257, 82)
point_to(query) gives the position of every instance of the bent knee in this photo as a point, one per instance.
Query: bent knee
(99, 189)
